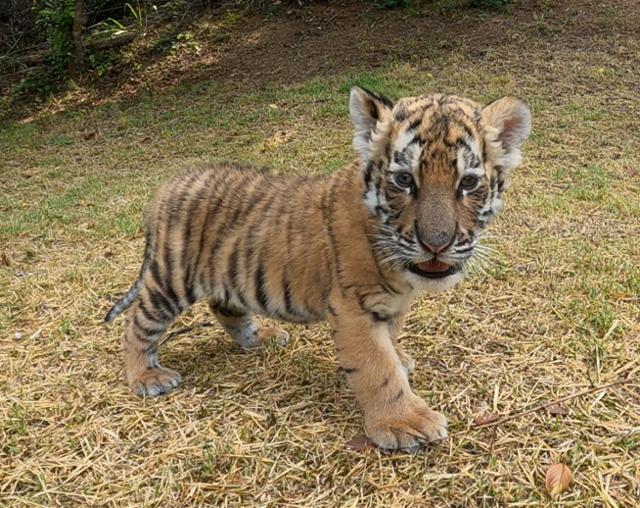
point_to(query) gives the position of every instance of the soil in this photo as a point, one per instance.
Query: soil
(327, 38)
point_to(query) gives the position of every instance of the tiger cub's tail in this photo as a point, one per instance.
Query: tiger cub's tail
(124, 302)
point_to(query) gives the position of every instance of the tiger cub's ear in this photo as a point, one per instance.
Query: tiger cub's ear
(511, 119)
(366, 109)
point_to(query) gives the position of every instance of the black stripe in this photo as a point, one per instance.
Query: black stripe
(367, 174)
(240, 296)
(229, 194)
(145, 255)
(151, 348)
(188, 292)
(385, 382)
(361, 302)
(147, 331)
(467, 130)
(229, 312)
(211, 212)
(401, 158)
(233, 263)
(160, 302)
(171, 294)
(258, 220)
(173, 211)
(415, 124)
(462, 143)
(386, 285)
(235, 286)
(170, 299)
(193, 207)
(168, 264)
(192, 268)
(287, 296)
(384, 100)
(401, 113)
(225, 294)
(147, 314)
(260, 288)
(253, 198)
(349, 370)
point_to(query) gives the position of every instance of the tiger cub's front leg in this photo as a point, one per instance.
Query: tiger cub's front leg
(395, 328)
(395, 417)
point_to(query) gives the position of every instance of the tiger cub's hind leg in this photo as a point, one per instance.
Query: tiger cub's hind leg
(146, 322)
(245, 329)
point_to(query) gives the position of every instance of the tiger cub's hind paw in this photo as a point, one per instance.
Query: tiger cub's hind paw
(155, 381)
(407, 361)
(266, 333)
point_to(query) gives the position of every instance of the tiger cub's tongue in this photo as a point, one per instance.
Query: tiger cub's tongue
(433, 266)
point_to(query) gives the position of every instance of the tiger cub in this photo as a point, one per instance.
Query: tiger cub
(353, 248)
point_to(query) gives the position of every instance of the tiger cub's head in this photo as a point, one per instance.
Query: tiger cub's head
(434, 171)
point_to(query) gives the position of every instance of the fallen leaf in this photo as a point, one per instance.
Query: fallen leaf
(557, 410)
(481, 420)
(276, 140)
(558, 479)
(359, 443)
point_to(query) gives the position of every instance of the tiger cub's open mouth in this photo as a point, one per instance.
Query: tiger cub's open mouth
(434, 269)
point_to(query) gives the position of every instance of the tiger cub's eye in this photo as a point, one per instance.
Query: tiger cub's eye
(403, 180)
(469, 182)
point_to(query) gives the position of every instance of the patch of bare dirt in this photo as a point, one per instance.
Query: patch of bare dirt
(328, 38)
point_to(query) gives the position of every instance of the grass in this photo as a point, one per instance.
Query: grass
(555, 311)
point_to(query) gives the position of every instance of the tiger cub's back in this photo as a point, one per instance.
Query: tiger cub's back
(243, 238)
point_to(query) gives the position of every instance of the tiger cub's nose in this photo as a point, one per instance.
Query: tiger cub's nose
(438, 241)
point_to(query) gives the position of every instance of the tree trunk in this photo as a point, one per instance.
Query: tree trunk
(76, 62)
(99, 44)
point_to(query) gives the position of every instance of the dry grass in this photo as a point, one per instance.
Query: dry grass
(555, 311)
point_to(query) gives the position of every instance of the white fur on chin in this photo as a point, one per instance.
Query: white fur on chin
(434, 285)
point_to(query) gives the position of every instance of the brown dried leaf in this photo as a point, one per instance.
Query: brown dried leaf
(276, 140)
(4, 259)
(557, 409)
(558, 479)
(481, 420)
(359, 443)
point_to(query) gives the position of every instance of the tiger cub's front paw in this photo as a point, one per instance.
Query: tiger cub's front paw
(155, 381)
(407, 427)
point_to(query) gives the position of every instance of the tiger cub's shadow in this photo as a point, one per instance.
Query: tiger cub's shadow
(209, 358)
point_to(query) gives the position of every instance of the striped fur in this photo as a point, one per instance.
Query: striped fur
(350, 248)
